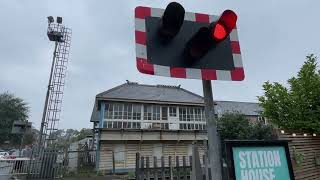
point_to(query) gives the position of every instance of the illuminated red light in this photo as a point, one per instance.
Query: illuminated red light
(225, 24)
(219, 32)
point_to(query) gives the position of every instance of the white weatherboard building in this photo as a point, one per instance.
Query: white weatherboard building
(155, 120)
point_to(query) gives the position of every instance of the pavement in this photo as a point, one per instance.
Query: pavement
(69, 178)
(111, 177)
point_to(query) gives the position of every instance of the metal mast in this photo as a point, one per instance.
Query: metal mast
(61, 35)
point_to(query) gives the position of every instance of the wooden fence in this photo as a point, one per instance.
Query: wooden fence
(305, 154)
(180, 170)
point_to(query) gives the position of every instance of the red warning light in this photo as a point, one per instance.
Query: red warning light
(223, 27)
(219, 32)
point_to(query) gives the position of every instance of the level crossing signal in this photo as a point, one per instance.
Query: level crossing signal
(175, 43)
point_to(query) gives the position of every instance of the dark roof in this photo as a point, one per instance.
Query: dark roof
(172, 94)
(159, 93)
(246, 108)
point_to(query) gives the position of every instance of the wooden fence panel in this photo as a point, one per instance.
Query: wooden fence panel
(303, 152)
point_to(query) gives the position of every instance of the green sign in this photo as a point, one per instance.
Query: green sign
(260, 163)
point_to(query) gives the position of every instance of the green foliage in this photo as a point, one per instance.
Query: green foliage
(11, 109)
(235, 126)
(298, 106)
(65, 137)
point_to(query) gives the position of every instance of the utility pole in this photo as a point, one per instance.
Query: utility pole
(213, 139)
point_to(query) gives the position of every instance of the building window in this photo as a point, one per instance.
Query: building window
(108, 114)
(126, 125)
(117, 124)
(173, 111)
(134, 125)
(136, 114)
(156, 112)
(203, 115)
(109, 124)
(147, 112)
(138, 125)
(197, 114)
(127, 111)
(118, 109)
(196, 126)
(192, 126)
(164, 113)
(164, 126)
(182, 114)
(190, 116)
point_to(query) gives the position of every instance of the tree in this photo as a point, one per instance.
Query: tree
(235, 126)
(11, 108)
(296, 107)
(83, 133)
(65, 137)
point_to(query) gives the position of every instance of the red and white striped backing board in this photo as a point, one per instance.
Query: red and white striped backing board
(144, 66)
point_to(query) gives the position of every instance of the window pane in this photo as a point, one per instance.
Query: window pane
(197, 114)
(155, 112)
(127, 111)
(120, 125)
(115, 125)
(109, 124)
(108, 114)
(182, 114)
(118, 109)
(125, 125)
(164, 113)
(136, 112)
(134, 125)
(203, 115)
(147, 112)
(190, 114)
(173, 111)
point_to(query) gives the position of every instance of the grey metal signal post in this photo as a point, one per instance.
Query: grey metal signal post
(213, 138)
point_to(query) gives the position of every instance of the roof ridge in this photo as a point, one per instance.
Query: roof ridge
(112, 89)
(236, 101)
(168, 86)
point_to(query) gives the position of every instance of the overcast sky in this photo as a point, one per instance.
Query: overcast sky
(275, 36)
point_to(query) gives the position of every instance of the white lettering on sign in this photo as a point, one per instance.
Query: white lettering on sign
(259, 159)
(258, 165)
(258, 174)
